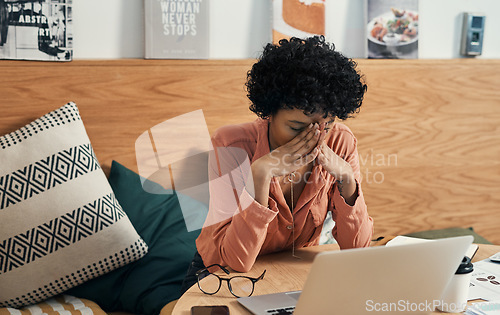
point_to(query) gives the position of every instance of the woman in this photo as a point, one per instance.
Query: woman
(303, 164)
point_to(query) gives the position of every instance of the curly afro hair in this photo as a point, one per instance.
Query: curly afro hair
(306, 74)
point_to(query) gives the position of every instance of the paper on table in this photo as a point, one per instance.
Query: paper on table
(485, 281)
(484, 308)
(400, 240)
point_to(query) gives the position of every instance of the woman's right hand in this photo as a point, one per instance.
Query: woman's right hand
(298, 152)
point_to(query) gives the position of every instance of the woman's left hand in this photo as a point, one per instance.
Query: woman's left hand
(334, 164)
(340, 169)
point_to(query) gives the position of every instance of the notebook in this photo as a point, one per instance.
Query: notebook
(383, 279)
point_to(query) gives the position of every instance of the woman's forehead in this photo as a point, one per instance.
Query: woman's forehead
(298, 115)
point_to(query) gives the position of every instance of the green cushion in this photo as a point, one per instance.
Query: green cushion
(450, 232)
(148, 284)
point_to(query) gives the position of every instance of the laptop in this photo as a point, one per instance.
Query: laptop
(382, 279)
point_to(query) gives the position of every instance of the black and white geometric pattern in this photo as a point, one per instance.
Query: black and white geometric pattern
(72, 236)
(66, 114)
(45, 174)
(66, 230)
(117, 260)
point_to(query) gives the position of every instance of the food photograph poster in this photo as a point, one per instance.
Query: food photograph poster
(392, 29)
(298, 18)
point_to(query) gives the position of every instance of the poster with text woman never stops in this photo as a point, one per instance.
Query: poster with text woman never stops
(176, 29)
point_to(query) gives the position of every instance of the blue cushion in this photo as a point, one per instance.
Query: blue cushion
(148, 284)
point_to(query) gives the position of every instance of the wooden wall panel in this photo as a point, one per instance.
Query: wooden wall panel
(119, 100)
(440, 120)
(428, 131)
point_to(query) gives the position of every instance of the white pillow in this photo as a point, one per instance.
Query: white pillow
(60, 223)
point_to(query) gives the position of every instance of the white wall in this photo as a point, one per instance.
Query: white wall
(113, 29)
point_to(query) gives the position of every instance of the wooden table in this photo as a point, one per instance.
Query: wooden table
(284, 273)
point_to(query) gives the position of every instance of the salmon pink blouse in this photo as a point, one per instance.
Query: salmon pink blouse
(254, 230)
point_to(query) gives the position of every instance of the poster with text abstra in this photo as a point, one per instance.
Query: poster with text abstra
(36, 30)
(177, 29)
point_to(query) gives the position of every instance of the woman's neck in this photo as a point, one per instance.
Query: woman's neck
(272, 144)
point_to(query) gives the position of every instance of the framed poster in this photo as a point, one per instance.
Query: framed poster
(36, 30)
(177, 29)
(298, 18)
(392, 29)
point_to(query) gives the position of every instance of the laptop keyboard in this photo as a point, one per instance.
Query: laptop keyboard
(280, 311)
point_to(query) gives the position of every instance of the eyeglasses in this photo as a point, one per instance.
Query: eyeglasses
(239, 286)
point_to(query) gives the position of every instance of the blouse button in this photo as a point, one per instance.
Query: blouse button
(289, 227)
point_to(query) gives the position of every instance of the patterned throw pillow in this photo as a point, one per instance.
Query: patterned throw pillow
(60, 223)
(58, 305)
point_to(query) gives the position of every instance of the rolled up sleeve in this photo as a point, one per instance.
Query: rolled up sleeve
(237, 241)
(236, 226)
(353, 226)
